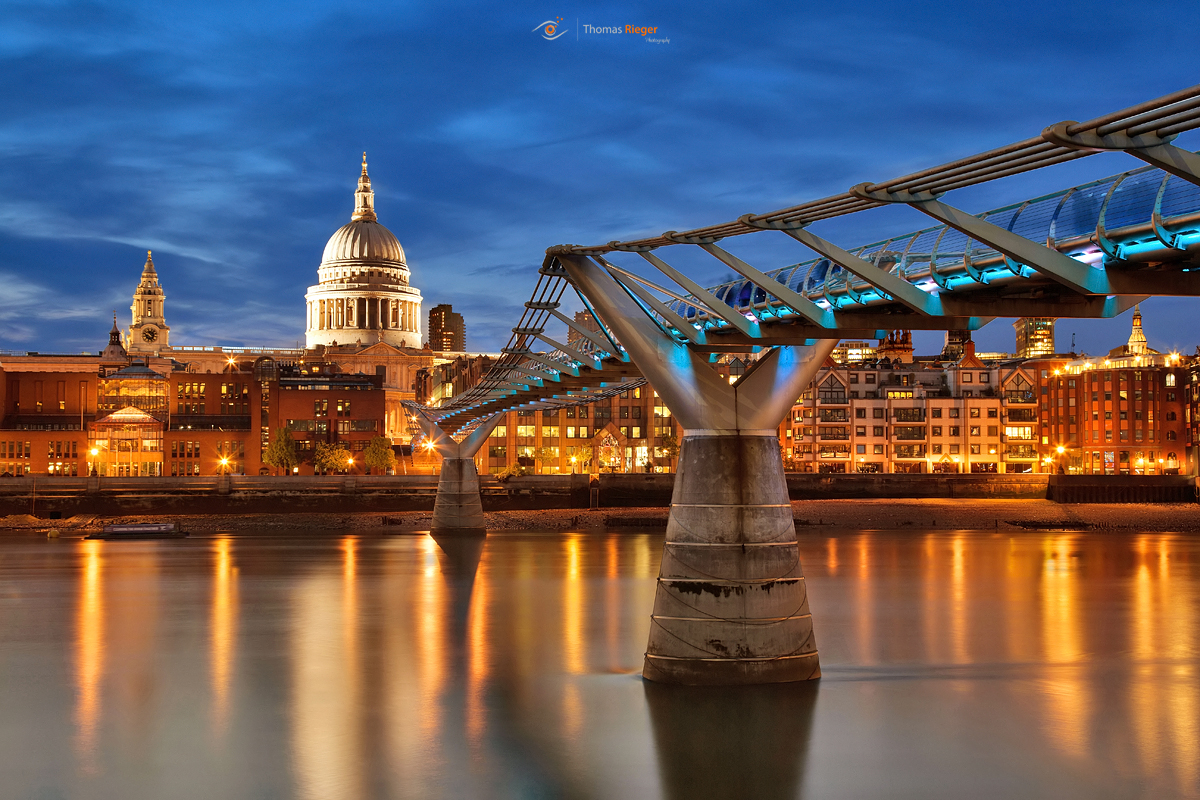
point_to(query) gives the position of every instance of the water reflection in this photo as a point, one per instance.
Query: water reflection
(326, 708)
(89, 652)
(724, 742)
(224, 629)
(507, 667)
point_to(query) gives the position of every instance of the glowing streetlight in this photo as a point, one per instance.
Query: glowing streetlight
(95, 451)
(1060, 449)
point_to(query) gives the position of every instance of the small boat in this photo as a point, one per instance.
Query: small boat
(142, 530)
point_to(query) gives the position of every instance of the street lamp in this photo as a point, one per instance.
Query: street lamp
(224, 465)
(572, 465)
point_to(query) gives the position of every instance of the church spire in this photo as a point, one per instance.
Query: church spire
(1137, 338)
(114, 336)
(364, 198)
(149, 281)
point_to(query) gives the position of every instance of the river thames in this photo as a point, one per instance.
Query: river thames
(1062, 665)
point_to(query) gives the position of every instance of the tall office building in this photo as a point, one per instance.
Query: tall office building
(1035, 336)
(447, 331)
(956, 345)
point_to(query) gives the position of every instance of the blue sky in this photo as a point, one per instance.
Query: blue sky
(226, 137)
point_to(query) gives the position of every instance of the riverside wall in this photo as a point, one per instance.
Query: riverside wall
(51, 497)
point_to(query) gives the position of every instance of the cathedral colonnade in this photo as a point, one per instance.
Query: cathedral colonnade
(357, 311)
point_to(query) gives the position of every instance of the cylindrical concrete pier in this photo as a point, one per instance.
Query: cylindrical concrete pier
(731, 605)
(458, 508)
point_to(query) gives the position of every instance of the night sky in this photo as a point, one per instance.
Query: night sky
(226, 137)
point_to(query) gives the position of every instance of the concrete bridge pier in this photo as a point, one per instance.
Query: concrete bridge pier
(731, 605)
(457, 507)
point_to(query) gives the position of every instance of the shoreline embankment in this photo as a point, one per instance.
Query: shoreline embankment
(1007, 515)
(236, 495)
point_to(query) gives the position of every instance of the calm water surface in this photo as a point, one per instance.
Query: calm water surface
(975, 665)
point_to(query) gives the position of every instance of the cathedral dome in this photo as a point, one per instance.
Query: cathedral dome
(362, 240)
(363, 295)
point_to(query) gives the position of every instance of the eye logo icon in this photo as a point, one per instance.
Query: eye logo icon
(549, 29)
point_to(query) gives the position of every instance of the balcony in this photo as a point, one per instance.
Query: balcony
(909, 451)
(830, 399)
(909, 433)
(833, 434)
(1020, 398)
(1021, 451)
(834, 415)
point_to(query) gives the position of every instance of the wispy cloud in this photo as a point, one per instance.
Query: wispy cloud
(226, 137)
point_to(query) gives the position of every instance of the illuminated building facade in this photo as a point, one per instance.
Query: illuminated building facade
(853, 352)
(1035, 337)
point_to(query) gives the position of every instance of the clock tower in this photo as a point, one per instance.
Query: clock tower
(149, 332)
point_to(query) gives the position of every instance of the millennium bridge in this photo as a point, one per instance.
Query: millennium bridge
(731, 604)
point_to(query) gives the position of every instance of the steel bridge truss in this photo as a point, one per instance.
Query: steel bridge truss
(1090, 251)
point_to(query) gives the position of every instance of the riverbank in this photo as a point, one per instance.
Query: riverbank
(810, 515)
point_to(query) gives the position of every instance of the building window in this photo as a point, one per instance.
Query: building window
(878, 447)
(955, 430)
(936, 449)
(832, 391)
(877, 430)
(965, 377)
(936, 430)
(860, 413)
(860, 449)
(877, 413)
